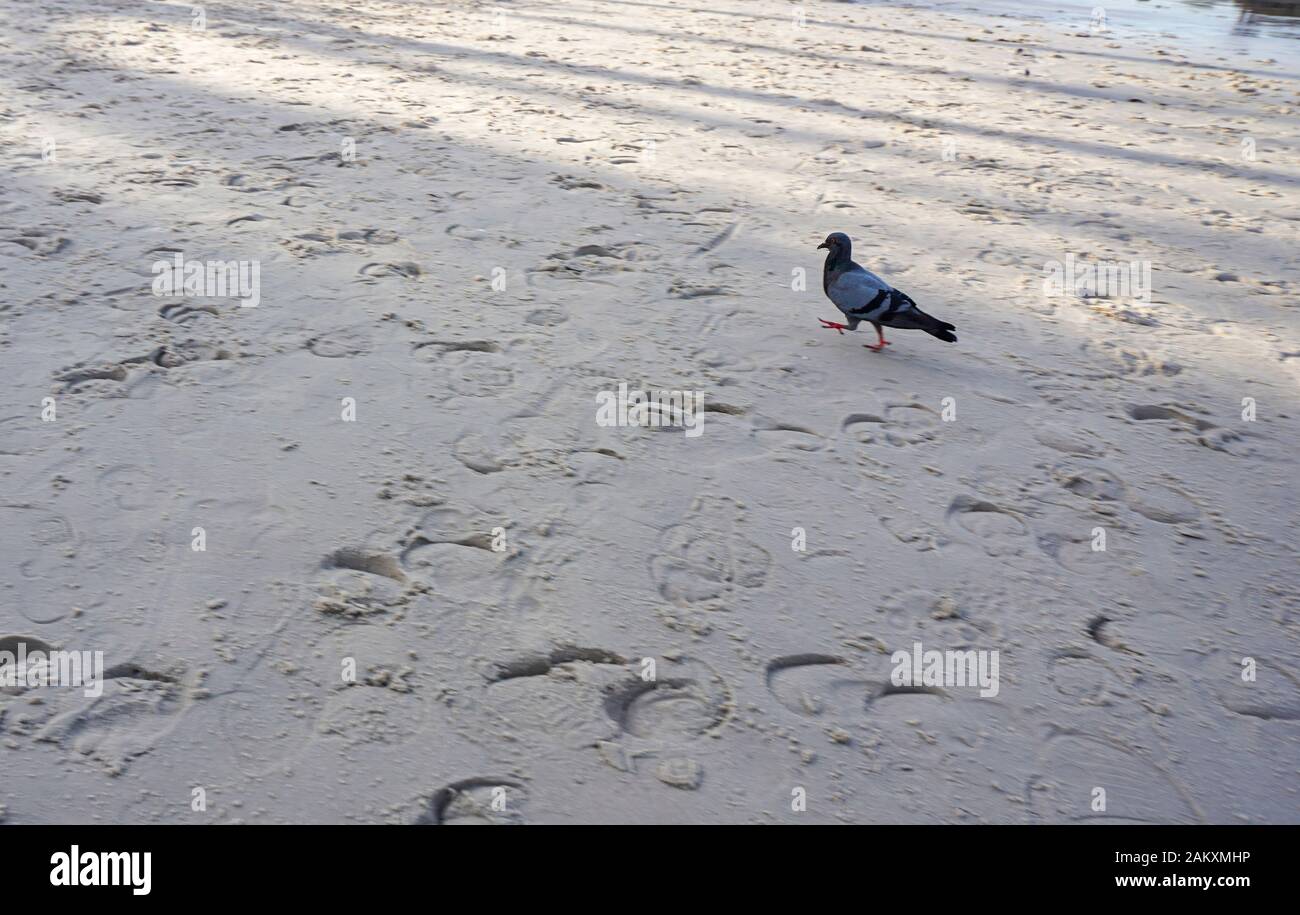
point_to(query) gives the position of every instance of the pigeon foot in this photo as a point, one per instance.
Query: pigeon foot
(831, 325)
(877, 347)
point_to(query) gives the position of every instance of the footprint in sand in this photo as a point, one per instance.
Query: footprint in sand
(1082, 679)
(997, 530)
(1201, 431)
(40, 550)
(816, 685)
(546, 317)
(369, 713)
(911, 424)
(372, 562)
(455, 571)
(780, 436)
(478, 801)
(1089, 481)
(572, 183)
(1274, 695)
(1138, 790)
(186, 314)
(75, 195)
(706, 557)
(1069, 440)
(136, 710)
(132, 487)
(553, 699)
(813, 685)
(593, 263)
(1073, 550)
(1178, 418)
(362, 237)
(1000, 258)
(598, 467)
(911, 727)
(128, 720)
(972, 615)
(1163, 504)
(1126, 361)
(1278, 601)
(40, 242)
(467, 368)
(323, 242)
(451, 552)
(184, 352)
(91, 377)
(484, 453)
(899, 425)
(478, 374)
(359, 582)
(374, 272)
(24, 434)
(687, 701)
(341, 343)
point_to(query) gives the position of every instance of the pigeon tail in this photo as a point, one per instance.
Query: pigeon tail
(936, 328)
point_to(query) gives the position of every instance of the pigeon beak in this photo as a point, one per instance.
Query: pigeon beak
(824, 245)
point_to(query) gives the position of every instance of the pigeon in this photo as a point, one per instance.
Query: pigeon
(863, 296)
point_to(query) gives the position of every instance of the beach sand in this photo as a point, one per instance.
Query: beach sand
(469, 221)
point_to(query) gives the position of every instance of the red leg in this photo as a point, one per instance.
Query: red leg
(831, 325)
(880, 334)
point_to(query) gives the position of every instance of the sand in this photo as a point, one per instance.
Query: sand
(433, 588)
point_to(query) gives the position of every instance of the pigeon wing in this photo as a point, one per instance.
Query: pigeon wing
(900, 310)
(904, 314)
(858, 293)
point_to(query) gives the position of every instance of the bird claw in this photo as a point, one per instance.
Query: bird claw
(876, 347)
(831, 325)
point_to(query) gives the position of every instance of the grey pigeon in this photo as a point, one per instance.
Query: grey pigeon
(863, 296)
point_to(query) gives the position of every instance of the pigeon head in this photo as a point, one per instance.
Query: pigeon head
(838, 244)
